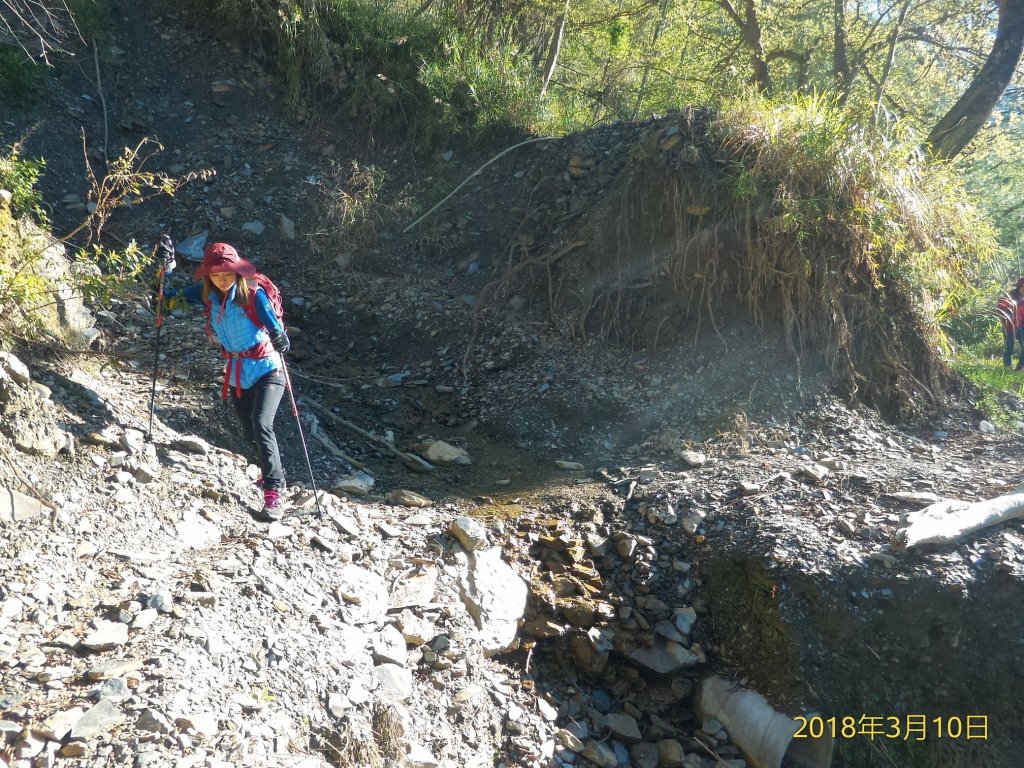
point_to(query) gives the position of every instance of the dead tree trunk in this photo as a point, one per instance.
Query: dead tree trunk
(947, 521)
(556, 47)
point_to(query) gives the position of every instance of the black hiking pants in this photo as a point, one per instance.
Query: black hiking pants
(256, 409)
(1009, 337)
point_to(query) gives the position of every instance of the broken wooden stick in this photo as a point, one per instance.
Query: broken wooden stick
(411, 461)
(947, 521)
(317, 433)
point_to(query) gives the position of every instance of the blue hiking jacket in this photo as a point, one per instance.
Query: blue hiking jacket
(236, 332)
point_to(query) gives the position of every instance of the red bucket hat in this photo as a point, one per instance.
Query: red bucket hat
(221, 257)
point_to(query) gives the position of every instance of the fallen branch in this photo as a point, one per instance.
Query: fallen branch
(32, 490)
(415, 463)
(949, 520)
(474, 173)
(317, 433)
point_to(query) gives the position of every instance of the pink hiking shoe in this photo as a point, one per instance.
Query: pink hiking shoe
(273, 506)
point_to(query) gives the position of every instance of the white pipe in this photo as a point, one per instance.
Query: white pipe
(764, 735)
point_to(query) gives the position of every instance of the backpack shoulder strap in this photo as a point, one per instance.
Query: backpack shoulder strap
(250, 307)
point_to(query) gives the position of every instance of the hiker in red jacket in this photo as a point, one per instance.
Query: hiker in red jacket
(1011, 317)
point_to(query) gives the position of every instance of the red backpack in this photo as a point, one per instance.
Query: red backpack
(273, 294)
(1008, 311)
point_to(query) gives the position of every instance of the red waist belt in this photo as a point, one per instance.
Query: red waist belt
(255, 352)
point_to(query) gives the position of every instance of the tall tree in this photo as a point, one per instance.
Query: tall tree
(840, 58)
(965, 118)
(750, 29)
(556, 47)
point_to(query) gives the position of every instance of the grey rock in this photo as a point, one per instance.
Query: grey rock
(355, 484)
(442, 454)
(664, 657)
(416, 589)
(389, 646)
(155, 721)
(285, 227)
(623, 726)
(134, 442)
(626, 546)
(596, 545)
(149, 757)
(600, 754)
(16, 507)
(669, 631)
(16, 369)
(29, 747)
(670, 754)
(815, 472)
(495, 597)
(58, 725)
(205, 723)
(161, 601)
(590, 652)
(191, 444)
(572, 466)
(415, 630)
(692, 522)
(364, 593)
(395, 680)
(66, 315)
(115, 689)
(470, 533)
(99, 719)
(685, 619)
(254, 227)
(644, 755)
(407, 498)
(419, 756)
(110, 669)
(693, 459)
(107, 636)
(144, 618)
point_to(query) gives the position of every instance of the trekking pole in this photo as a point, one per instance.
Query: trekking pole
(302, 437)
(166, 268)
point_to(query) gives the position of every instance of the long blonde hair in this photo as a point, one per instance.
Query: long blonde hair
(242, 291)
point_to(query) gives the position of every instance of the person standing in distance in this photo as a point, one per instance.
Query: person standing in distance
(1011, 317)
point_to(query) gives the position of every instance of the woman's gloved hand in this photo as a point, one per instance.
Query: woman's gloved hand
(279, 340)
(165, 255)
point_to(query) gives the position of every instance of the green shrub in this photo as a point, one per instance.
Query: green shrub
(406, 74)
(865, 244)
(19, 177)
(20, 78)
(21, 288)
(92, 18)
(481, 88)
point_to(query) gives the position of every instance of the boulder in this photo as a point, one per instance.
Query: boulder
(495, 597)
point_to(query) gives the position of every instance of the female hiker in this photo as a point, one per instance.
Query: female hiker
(252, 339)
(1011, 317)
